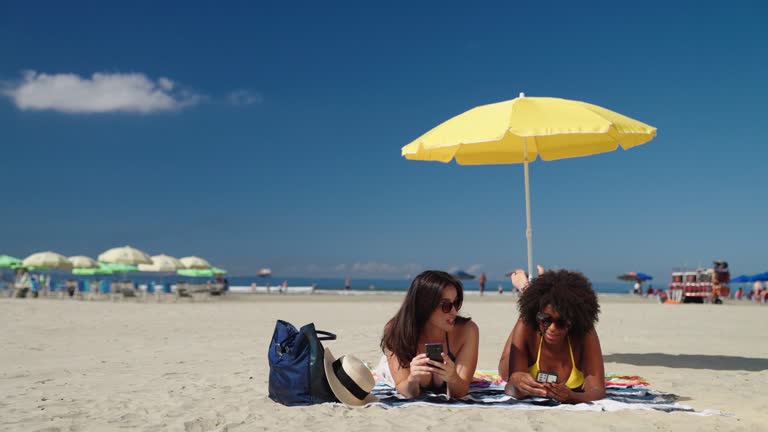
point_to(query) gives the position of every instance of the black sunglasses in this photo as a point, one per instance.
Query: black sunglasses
(545, 320)
(447, 305)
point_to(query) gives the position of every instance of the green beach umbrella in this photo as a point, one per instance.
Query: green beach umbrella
(9, 261)
(201, 272)
(120, 267)
(102, 269)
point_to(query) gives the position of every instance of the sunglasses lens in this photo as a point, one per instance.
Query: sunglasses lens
(446, 306)
(545, 320)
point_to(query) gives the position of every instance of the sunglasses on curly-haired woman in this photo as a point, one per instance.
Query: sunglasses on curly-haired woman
(545, 320)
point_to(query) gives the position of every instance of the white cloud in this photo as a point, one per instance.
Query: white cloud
(374, 267)
(244, 97)
(101, 93)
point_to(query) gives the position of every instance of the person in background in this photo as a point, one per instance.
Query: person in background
(520, 278)
(35, 285)
(482, 280)
(555, 333)
(347, 284)
(739, 293)
(23, 283)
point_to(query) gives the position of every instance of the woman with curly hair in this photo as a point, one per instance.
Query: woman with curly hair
(429, 314)
(555, 336)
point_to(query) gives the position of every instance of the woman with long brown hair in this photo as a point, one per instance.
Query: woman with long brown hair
(429, 314)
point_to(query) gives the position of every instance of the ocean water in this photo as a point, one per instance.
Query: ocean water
(357, 284)
(402, 284)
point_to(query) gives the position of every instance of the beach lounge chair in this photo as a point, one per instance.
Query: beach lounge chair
(35, 288)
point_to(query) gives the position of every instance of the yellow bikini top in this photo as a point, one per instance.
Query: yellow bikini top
(575, 380)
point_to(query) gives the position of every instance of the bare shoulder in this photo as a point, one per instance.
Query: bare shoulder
(523, 330)
(467, 330)
(525, 335)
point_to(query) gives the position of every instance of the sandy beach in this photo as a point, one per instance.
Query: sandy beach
(99, 366)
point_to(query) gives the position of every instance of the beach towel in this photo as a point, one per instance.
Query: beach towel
(487, 391)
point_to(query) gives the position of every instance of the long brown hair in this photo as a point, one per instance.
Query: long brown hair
(401, 334)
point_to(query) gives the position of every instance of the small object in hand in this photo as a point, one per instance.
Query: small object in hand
(546, 377)
(434, 351)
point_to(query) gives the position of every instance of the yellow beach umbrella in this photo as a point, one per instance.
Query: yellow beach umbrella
(193, 262)
(523, 129)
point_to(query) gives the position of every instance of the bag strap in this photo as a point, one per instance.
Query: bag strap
(324, 335)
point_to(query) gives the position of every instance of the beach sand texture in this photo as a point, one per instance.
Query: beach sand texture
(101, 366)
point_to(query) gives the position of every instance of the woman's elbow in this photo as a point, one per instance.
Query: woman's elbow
(504, 369)
(459, 393)
(597, 393)
(600, 394)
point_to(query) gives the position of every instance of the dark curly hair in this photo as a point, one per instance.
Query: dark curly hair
(569, 292)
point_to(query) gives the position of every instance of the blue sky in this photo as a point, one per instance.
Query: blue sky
(263, 135)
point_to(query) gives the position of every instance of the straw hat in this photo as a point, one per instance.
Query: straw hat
(350, 379)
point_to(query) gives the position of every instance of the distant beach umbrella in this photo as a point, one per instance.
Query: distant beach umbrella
(100, 269)
(9, 261)
(742, 279)
(462, 275)
(120, 267)
(125, 255)
(634, 277)
(522, 129)
(193, 262)
(209, 272)
(47, 260)
(760, 277)
(162, 263)
(80, 261)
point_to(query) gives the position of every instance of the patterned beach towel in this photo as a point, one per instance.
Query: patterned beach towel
(487, 391)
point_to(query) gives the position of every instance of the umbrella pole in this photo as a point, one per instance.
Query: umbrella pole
(528, 229)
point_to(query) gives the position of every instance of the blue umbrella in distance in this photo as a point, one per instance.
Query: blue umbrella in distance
(742, 279)
(634, 277)
(462, 275)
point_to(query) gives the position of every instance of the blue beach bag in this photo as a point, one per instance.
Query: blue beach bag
(296, 365)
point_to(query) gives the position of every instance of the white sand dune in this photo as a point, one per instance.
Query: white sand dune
(100, 366)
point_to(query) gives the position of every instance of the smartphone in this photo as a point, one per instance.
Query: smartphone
(433, 351)
(546, 377)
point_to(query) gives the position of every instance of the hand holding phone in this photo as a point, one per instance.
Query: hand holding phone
(434, 351)
(546, 377)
